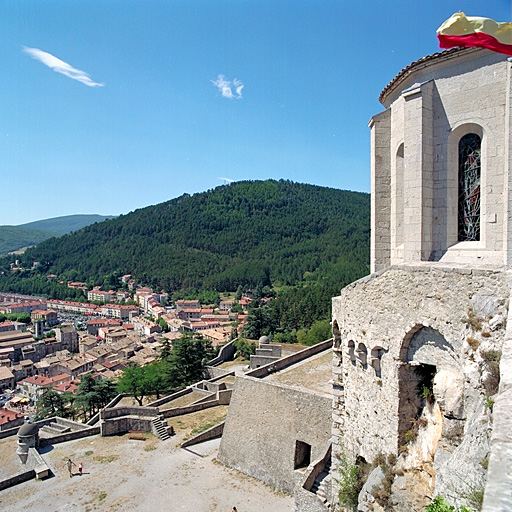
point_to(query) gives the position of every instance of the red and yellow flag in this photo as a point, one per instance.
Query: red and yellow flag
(473, 31)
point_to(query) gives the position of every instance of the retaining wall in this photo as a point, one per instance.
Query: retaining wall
(17, 479)
(178, 411)
(212, 433)
(69, 436)
(215, 372)
(289, 360)
(116, 412)
(170, 398)
(275, 418)
(124, 424)
(226, 353)
(112, 403)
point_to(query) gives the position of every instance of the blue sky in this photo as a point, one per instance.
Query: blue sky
(107, 106)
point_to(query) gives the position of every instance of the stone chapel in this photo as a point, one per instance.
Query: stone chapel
(421, 345)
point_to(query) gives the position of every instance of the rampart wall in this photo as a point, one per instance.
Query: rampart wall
(264, 423)
(394, 321)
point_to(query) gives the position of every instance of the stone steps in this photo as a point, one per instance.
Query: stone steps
(160, 428)
(55, 428)
(322, 485)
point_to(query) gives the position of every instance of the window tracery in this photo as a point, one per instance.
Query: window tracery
(469, 187)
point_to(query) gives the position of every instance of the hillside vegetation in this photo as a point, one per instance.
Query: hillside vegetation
(66, 224)
(13, 238)
(275, 233)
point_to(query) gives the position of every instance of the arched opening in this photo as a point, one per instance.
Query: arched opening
(362, 355)
(469, 196)
(351, 352)
(376, 357)
(424, 353)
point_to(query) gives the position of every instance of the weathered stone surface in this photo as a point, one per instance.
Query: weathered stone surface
(366, 501)
(264, 424)
(420, 319)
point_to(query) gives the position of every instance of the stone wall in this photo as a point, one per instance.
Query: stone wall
(178, 411)
(407, 317)
(284, 362)
(124, 424)
(226, 353)
(264, 424)
(498, 491)
(116, 412)
(212, 433)
(69, 436)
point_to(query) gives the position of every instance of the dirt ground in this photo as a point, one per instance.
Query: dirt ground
(123, 474)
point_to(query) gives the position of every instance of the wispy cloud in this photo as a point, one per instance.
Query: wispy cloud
(228, 89)
(59, 66)
(226, 180)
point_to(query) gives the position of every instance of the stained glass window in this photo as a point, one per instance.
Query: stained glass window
(469, 187)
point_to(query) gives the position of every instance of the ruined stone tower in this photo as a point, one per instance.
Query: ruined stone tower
(418, 342)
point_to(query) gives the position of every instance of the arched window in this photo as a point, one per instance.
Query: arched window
(351, 348)
(362, 354)
(469, 187)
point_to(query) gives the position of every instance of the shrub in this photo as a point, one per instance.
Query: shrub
(491, 356)
(349, 484)
(473, 342)
(245, 348)
(409, 436)
(439, 504)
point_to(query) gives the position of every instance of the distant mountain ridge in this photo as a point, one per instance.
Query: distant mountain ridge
(14, 238)
(244, 233)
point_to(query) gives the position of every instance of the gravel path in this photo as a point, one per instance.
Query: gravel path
(122, 474)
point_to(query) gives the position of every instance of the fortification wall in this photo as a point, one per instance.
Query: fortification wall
(445, 318)
(264, 423)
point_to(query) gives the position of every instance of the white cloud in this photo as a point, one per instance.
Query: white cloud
(59, 66)
(225, 87)
(226, 180)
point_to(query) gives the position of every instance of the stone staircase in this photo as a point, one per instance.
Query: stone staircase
(55, 428)
(159, 428)
(322, 485)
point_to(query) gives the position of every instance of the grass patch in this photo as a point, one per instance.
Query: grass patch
(103, 459)
(102, 496)
(89, 452)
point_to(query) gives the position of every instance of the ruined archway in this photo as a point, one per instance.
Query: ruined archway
(429, 372)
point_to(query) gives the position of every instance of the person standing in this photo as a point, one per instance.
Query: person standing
(80, 467)
(70, 464)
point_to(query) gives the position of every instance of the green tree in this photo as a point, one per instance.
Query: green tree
(134, 382)
(245, 348)
(50, 404)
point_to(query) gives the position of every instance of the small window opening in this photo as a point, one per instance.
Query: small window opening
(352, 352)
(377, 353)
(362, 354)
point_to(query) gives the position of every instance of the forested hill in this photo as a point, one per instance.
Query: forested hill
(245, 233)
(13, 238)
